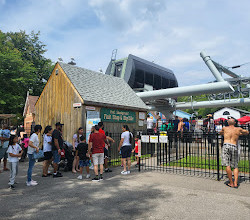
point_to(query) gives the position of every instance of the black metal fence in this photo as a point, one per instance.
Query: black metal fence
(189, 153)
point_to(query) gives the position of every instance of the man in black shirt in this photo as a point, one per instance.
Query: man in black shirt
(57, 145)
(176, 122)
(82, 150)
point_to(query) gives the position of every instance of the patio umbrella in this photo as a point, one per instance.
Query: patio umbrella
(244, 119)
(219, 119)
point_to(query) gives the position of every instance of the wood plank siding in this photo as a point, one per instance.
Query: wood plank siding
(56, 104)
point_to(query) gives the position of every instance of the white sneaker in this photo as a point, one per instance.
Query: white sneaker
(128, 172)
(31, 183)
(91, 167)
(88, 176)
(79, 177)
(124, 172)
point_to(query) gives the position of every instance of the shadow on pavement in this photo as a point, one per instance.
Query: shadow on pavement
(68, 198)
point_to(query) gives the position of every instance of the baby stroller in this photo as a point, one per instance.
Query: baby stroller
(67, 157)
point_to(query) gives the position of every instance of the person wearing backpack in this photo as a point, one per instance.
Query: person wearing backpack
(126, 149)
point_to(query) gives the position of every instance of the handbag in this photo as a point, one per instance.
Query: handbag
(38, 155)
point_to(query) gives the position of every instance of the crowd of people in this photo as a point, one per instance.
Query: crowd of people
(86, 154)
(95, 151)
(181, 124)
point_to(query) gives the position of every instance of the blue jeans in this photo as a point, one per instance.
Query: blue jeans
(31, 165)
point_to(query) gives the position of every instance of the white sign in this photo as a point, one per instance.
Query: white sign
(142, 115)
(145, 138)
(153, 139)
(77, 105)
(141, 123)
(139, 148)
(93, 118)
(163, 139)
(91, 108)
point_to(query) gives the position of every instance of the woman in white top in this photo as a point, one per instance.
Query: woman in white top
(76, 141)
(33, 146)
(47, 149)
(126, 148)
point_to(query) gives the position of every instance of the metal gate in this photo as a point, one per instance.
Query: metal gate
(191, 154)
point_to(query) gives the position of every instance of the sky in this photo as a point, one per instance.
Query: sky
(171, 33)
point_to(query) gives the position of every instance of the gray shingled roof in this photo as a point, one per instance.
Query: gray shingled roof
(101, 89)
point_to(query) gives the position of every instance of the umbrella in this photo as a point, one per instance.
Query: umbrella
(219, 119)
(244, 119)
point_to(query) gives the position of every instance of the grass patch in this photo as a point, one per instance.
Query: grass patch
(206, 163)
(117, 162)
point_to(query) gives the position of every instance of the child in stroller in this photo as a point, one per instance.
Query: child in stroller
(67, 157)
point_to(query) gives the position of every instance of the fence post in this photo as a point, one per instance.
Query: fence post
(139, 164)
(218, 157)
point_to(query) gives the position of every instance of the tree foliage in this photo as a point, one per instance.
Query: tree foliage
(23, 67)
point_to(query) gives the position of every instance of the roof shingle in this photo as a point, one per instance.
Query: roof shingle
(101, 89)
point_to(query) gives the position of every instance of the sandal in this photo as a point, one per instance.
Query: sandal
(229, 185)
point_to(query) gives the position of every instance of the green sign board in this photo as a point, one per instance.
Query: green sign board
(120, 116)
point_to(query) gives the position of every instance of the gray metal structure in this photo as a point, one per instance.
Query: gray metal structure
(215, 103)
(186, 91)
(212, 67)
(237, 87)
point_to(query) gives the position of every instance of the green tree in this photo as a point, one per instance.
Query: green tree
(23, 67)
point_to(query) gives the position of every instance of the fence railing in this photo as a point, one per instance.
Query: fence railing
(189, 153)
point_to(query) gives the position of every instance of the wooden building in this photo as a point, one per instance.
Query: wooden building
(29, 112)
(78, 97)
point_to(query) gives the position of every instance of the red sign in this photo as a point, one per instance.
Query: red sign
(139, 148)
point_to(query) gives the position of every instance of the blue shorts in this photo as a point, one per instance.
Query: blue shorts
(84, 163)
(56, 156)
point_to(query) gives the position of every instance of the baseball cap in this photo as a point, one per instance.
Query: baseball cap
(59, 123)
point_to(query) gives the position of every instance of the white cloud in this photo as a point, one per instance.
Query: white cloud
(170, 33)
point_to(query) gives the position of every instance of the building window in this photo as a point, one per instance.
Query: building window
(149, 78)
(226, 113)
(165, 83)
(157, 82)
(139, 76)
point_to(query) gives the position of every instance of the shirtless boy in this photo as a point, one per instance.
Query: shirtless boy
(230, 153)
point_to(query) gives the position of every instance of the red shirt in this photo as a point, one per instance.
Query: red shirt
(101, 131)
(98, 142)
(136, 147)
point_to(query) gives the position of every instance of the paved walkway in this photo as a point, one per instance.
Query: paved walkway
(146, 195)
